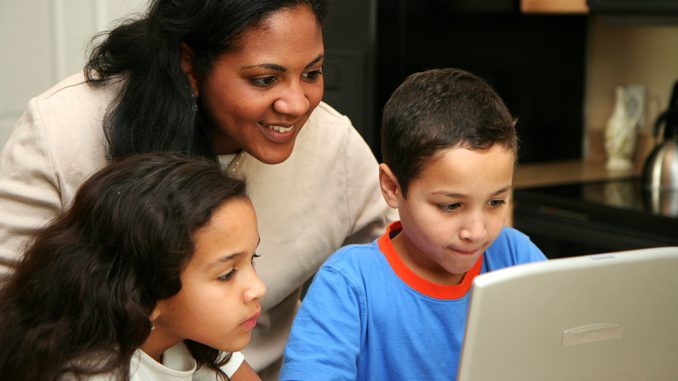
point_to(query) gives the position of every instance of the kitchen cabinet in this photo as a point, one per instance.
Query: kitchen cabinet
(554, 6)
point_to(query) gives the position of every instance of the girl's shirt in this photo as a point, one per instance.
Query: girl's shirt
(177, 365)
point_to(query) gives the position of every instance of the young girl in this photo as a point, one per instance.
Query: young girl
(147, 277)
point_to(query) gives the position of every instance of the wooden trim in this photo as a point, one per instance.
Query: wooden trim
(554, 6)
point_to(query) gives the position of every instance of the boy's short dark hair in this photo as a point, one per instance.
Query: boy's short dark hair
(438, 109)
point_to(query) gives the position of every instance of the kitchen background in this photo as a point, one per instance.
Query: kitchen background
(556, 63)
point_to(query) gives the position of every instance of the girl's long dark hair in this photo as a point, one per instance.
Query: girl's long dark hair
(80, 300)
(154, 109)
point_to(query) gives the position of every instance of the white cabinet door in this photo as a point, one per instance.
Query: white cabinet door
(43, 41)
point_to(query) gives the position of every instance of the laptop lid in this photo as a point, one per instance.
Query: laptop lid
(609, 316)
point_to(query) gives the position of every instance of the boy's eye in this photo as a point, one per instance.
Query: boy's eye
(449, 207)
(313, 75)
(497, 203)
(228, 276)
(263, 81)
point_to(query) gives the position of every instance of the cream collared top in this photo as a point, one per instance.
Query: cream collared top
(177, 365)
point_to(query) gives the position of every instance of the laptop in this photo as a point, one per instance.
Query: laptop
(610, 316)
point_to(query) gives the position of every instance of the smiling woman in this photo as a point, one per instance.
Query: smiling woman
(237, 82)
(278, 71)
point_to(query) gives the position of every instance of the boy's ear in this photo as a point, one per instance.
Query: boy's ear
(187, 67)
(390, 188)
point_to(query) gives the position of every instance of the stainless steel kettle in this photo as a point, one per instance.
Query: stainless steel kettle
(660, 172)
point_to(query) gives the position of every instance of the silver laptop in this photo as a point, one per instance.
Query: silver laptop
(601, 317)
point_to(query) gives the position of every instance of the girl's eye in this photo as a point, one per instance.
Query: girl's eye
(497, 203)
(263, 81)
(255, 255)
(449, 207)
(313, 75)
(228, 276)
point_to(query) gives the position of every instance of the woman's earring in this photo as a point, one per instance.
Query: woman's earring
(194, 108)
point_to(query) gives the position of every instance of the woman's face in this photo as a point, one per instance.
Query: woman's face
(218, 304)
(259, 96)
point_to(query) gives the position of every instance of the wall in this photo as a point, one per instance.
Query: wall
(43, 41)
(627, 52)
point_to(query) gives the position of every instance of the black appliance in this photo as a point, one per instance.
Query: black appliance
(594, 217)
(536, 63)
(661, 166)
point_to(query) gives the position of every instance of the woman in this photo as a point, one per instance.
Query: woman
(236, 81)
(146, 277)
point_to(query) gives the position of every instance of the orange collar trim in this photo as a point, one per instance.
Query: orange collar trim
(424, 286)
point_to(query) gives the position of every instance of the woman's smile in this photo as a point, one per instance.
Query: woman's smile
(280, 134)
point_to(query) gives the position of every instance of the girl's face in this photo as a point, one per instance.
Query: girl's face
(259, 96)
(218, 304)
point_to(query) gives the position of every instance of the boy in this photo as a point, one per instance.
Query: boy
(396, 309)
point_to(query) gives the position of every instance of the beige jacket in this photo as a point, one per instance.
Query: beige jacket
(324, 196)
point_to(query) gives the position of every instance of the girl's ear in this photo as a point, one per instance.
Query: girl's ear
(160, 311)
(154, 317)
(390, 188)
(188, 67)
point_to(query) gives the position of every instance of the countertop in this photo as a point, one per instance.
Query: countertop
(562, 172)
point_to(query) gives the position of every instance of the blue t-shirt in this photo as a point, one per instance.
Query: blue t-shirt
(367, 316)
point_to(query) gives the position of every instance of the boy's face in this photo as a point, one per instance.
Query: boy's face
(454, 210)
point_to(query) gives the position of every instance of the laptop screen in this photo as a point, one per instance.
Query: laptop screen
(609, 316)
